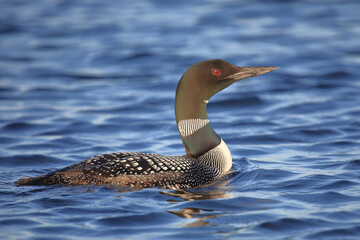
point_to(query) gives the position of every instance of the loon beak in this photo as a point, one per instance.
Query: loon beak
(248, 72)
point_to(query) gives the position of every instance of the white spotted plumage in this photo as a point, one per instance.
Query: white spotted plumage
(145, 170)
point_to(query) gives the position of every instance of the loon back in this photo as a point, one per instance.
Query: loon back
(141, 170)
(207, 156)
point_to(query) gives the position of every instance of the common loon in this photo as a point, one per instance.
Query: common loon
(207, 157)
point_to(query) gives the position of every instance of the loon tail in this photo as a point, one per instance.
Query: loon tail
(31, 181)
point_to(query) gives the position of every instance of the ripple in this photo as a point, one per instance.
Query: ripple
(336, 233)
(353, 165)
(28, 160)
(286, 225)
(340, 184)
(21, 126)
(149, 219)
(330, 197)
(18, 221)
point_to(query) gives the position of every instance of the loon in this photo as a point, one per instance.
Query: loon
(207, 156)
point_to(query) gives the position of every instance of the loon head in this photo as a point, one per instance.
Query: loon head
(197, 85)
(206, 78)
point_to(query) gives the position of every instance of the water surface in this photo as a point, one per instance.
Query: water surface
(80, 78)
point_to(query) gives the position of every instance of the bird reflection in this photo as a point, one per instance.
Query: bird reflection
(219, 190)
(194, 213)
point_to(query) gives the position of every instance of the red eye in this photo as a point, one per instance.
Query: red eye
(216, 72)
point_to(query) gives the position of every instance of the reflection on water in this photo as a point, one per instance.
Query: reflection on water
(195, 213)
(218, 190)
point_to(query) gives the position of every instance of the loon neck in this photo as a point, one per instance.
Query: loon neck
(193, 124)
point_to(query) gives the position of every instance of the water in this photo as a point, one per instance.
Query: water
(80, 78)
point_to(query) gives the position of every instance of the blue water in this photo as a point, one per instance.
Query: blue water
(80, 78)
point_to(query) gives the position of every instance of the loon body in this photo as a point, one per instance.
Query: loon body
(207, 157)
